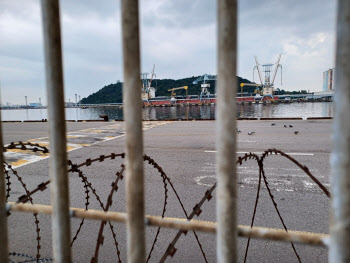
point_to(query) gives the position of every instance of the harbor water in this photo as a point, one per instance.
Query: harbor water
(281, 110)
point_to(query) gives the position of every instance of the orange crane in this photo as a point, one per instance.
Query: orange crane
(250, 84)
(173, 89)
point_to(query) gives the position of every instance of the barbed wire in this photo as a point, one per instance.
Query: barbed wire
(35, 147)
(7, 168)
(167, 184)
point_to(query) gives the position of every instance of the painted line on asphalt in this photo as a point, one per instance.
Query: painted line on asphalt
(295, 154)
(75, 140)
(23, 159)
(200, 178)
(211, 166)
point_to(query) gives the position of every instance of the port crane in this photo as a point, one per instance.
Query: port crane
(268, 83)
(250, 84)
(152, 76)
(173, 89)
(204, 92)
(147, 91)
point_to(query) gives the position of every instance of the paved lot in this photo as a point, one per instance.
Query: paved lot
(186, 152)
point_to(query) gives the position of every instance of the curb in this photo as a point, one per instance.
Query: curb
(320, 118)
(293, 118)
(238, 119)
(11, 121)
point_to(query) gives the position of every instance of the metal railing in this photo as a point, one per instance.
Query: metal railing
(226, 228)
(340, 161)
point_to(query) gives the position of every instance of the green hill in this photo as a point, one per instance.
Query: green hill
(113, 93)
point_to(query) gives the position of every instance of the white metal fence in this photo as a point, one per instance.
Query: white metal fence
(225, 228)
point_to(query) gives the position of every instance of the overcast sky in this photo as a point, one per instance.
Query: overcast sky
(178, 36)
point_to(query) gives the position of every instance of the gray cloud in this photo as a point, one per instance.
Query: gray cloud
(294, 17)
(179, 14)
(178, 36)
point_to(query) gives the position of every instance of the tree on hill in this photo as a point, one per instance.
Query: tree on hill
(113, 93)
(286, 92)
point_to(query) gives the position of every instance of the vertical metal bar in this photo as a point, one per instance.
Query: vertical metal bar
(340, 160)
(226, 195)
(133, 126)
(57, 129)
(4, 252)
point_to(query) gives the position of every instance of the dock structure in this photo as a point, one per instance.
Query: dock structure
(90, 105)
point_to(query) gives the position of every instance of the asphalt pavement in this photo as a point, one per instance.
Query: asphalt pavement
(186, 152)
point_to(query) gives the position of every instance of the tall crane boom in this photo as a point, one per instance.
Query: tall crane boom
(276, 68)
(152, 76)
(147, 91)
(258, 68)
(204, 78)
(268, 82)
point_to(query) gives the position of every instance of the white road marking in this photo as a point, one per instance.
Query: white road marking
(295, 154)
(309, 185)
(200, 178)
(277, 184)
(212, 166)
(256, 172)
(276, 181)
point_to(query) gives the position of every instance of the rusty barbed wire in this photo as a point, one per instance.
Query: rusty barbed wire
(304, 168)
(196, 211)
(28, 258)
(35, 147)
(171, 250)
(277, 210)
(8, 183)
(38, 237)
(165, 185)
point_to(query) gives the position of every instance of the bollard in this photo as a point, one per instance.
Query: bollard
(104, 117)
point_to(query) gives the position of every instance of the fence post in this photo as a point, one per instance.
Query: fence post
(4, 252)
(226, 193)
(57, 128)
(133, 127)
(340, 159)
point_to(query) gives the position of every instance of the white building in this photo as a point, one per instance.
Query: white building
(329, 80)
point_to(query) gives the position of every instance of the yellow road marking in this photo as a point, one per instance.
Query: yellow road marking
(85, 144)
(38, 153)
(96, 131)
(20, 155)
(19, 162)
(72, 136)
(69, 148)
